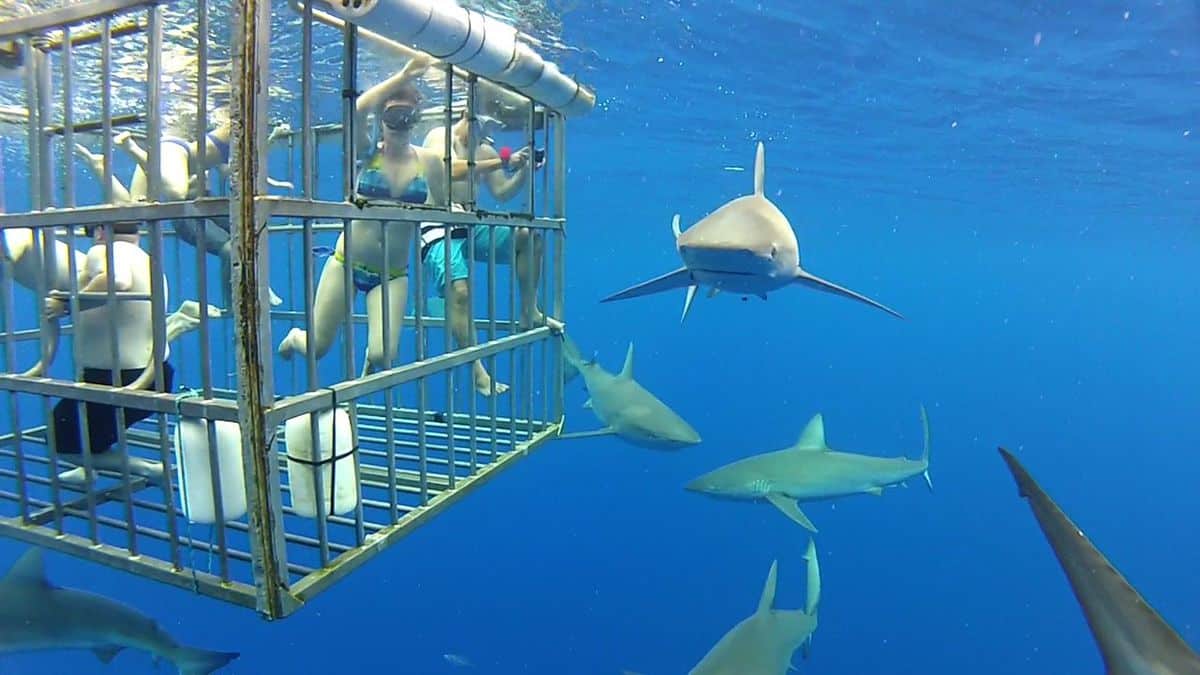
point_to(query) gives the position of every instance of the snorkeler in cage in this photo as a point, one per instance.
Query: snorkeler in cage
(521, 246)
(393, 170)
(178, 160)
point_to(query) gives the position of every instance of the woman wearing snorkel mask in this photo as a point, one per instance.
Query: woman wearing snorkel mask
(394, 172)
(513, 246)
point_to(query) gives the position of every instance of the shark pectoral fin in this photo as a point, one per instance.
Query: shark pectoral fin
(587, 434)
(680, 278)
(791, 510)
(877, 491)
(803, 277)
(107, 653)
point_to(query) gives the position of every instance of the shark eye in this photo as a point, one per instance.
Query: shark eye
(774, 250)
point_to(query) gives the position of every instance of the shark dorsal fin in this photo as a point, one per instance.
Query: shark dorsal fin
(29, 570)
(760, 169)
(813, 436)
(627, 371)
(767, 599)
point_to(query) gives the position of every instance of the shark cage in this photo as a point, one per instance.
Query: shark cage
(265, 380)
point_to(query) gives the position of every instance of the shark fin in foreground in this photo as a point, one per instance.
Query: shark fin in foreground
(36, 615)
(1132, 637)
(763, 643)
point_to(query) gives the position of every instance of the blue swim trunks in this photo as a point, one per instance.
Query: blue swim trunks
(434, 261)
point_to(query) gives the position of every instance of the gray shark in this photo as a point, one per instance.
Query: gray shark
(747, 246)
(625, 408)
(763, 643)
(811, 471)
(1132, 637)
(36, 615)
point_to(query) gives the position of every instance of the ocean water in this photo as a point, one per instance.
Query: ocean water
(1020, 180)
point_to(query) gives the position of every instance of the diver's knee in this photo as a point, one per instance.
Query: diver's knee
(458, 293)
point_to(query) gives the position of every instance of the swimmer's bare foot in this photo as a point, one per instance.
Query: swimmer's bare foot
(112, 461)
(483, 382)
(539, 319)
(295, 341)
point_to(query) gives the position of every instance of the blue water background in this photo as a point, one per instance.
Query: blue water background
(1031, 209)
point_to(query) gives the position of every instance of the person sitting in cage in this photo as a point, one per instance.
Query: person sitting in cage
(394, 171)
(513, 246)
(177, 161)
(130, 322)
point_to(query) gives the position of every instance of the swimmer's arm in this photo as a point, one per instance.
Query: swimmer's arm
(459, 168)
(372, 99)
(50, 329)
(503, 187)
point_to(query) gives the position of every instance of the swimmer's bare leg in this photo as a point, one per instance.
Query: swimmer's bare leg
(120, 194)
(329, 311)
(528, 260)
(124, 140)
(458, 312)
(113, 460)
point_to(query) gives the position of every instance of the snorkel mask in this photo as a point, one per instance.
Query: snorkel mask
(399, 116)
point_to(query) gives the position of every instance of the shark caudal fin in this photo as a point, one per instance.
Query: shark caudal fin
(820, 284)
(680, 278)
(925, 453)
(813, 589)
(191, 661)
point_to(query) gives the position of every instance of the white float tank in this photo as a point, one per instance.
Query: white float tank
(194, 470)
(339, 473)
(472, 40)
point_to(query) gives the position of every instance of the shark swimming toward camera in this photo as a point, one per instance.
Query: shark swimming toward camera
(810, 471)
(1132, 637)
(763, 643)
(36, 615)
(625, 408)
(747, 246)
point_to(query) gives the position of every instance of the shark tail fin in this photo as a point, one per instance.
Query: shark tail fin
(813, 582)
(760, 169)
(925, 452)
(571, 353)
(820, 284)
(192, 661)
(687, 302)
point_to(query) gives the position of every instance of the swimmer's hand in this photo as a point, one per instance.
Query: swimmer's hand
(418, 64)
(54, 309)
(519, 159)
(281, 129)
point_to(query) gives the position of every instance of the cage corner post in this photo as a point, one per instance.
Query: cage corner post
(250, 51)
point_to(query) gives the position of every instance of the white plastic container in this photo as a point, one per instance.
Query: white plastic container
(194, 471)
(338, 476)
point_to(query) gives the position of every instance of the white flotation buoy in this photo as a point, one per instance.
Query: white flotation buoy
(335, 459)
(195, 472)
